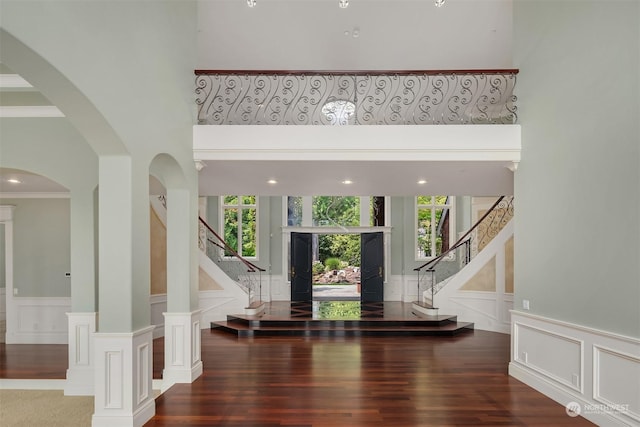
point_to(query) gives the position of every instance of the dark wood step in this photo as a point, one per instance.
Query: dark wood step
(256, 321)
(359, 319)
(318, 330)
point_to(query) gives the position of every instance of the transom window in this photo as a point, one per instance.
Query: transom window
(434, 225)
(239, 217)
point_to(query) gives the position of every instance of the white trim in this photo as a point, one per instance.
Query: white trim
(123, 378)
(559, 350)
(623, 357)
(41, 320)
(157, 306)
(6, 218)
(586, 329)
(80, 372)
(16, 384)
(362, 143)
(28, 111)
(182, 348)
(52, 195)
(335, 230)
(14, 81)
(518, 356)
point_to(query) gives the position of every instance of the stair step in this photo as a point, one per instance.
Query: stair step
(244, 330)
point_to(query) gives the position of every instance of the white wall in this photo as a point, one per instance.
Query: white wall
(131, 64)
(577, 187)
(392, 35)
(577, 193)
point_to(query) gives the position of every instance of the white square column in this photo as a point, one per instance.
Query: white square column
(80, 374)
(123, 378)
(182, 361)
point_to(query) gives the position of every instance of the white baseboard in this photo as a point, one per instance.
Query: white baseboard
(575, 364)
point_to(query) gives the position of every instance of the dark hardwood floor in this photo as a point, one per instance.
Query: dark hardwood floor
(349, 381)
(50, 361)
(33, 361)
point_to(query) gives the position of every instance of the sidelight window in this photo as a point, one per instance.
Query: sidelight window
(434, 225)
(239, 216)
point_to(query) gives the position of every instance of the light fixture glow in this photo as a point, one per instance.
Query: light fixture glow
(251, 3)
(14, 181)
(343, 3)
(440, 3)
(339, 111)
(347, 182)
(272, 181)
(422, 181)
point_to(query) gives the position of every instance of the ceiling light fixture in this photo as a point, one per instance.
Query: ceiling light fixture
(272, 181)
(339, 111)
(14, 181)
(343, 3)
(251, 3)
(347, 182)
(440, 3)
(422, 181)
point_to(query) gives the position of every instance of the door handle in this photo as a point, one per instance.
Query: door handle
(380, 271)
(293, 272)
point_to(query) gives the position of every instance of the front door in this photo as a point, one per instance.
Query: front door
(301, 267)
(372, 267)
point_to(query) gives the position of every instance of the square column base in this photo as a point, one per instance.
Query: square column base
(80, 373)
(181, 348)
(123, 378)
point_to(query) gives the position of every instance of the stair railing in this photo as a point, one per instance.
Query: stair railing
(466, 247)
(242, 271)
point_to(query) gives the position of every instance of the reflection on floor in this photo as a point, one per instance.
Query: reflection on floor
(340, 318)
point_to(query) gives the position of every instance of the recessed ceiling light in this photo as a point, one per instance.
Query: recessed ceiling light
(272, 181)
(14, 181)
(343, 3)
(422, 181)
(251, 3)
(347, 182)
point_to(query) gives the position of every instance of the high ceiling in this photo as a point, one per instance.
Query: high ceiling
(319, 35)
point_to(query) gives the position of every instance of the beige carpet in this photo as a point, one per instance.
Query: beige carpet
(44, 408)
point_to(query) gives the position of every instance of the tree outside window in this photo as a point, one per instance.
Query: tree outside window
(433, 222)
(239, 222)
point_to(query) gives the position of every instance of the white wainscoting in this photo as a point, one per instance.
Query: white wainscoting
(39, 321)
(158, 307)
(279, 289)
(215, 305)
(395, 288)
(598, 370)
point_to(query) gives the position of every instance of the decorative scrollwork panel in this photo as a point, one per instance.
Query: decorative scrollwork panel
(343, 99)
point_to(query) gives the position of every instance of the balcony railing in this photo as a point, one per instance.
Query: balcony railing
(356, 98)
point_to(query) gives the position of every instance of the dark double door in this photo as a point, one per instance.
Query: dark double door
(371, 267)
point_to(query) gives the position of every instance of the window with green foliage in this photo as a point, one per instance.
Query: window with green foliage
(433, 225)
(336, 211)
(239, 215)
